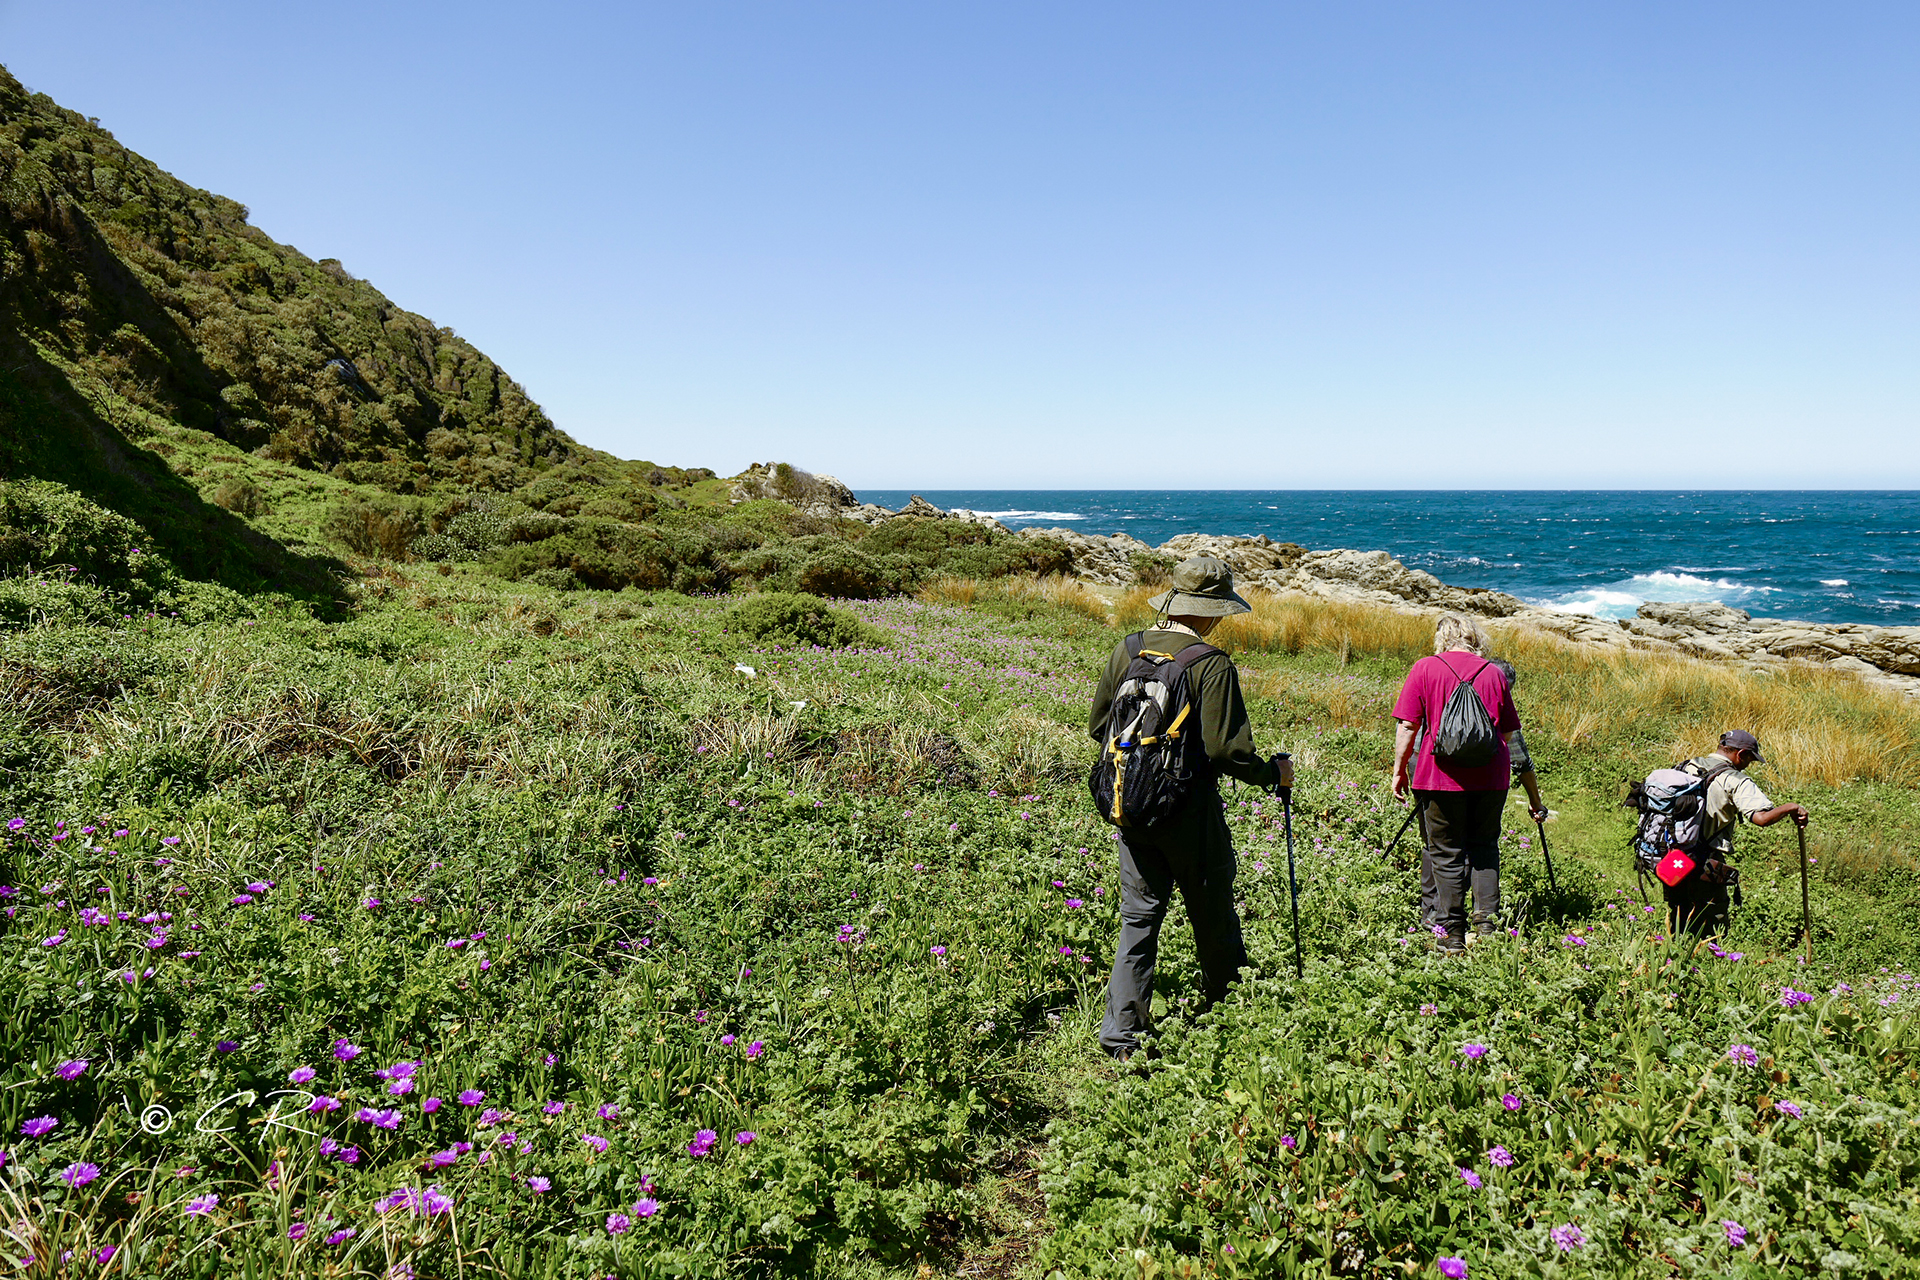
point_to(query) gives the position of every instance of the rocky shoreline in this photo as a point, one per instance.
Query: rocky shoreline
(1885, 656)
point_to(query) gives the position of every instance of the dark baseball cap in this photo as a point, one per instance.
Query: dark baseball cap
(1741, 740)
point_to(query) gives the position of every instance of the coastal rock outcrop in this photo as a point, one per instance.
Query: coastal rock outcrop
(1888, 656)
(814, 495)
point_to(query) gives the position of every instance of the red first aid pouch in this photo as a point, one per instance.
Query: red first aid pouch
(1674, 868)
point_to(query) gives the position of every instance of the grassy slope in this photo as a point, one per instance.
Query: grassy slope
(662, 851)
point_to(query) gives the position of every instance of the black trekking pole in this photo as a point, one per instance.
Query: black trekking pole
(1388, 851)
(1548, 855)
(1293, 885)
(1806, 912)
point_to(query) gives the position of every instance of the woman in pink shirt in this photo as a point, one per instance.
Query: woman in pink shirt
(1459, 805)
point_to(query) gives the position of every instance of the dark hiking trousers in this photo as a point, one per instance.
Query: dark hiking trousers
(1462, 853)
(1195, 854)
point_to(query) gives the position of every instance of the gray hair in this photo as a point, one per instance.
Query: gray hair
(1458, 631)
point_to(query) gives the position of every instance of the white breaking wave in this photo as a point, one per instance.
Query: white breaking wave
(1621, 599)
(1835, 582)
(1034, 515)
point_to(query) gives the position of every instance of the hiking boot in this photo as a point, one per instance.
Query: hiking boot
(1454, 944)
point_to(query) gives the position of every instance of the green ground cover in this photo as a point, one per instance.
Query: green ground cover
(543, 887)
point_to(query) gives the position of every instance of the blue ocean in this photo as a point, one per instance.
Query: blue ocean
(1814, 556)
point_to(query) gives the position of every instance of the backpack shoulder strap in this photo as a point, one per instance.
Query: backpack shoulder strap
(1192, 654)
(1706, 773)
(1456, 675)
(1134, 642)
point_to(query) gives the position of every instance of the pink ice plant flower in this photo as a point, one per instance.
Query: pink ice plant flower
(72, 1069)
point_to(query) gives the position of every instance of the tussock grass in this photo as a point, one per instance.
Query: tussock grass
(1293, 624)
(1057, 589)
(1816, 725)
(1052, 589)
(957, 593)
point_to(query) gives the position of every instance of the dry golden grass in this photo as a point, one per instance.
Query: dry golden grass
(1815, 724)
(957, 592)
(1068, 593)
(1300, 624)
(1056, 589)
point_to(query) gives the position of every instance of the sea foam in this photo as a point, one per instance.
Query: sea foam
(1622, 599)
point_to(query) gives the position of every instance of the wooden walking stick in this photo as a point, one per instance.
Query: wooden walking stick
(1806, 912)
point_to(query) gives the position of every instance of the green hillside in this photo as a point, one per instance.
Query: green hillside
(141, 318)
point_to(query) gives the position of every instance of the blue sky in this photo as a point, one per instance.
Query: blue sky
(1097, 245)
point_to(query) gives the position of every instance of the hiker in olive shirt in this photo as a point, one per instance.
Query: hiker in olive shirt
(1703, 901)
(1192, 849)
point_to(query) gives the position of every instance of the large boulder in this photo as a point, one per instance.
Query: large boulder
(816, 495)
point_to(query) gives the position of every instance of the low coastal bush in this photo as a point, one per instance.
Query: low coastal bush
(790, 619)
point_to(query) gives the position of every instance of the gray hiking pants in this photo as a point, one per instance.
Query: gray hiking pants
(1462, 851)
(1197, 857)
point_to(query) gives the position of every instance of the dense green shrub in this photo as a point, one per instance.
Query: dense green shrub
(240, 496)
(838, 569)
(962, 550)
(609, 556)
(823, 566)
(375, 525)
(37, 598)
(49, 526)
(793, 620)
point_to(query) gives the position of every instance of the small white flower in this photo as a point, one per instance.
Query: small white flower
(745, 670)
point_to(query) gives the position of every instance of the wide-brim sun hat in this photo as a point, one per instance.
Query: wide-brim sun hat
(1200, 588)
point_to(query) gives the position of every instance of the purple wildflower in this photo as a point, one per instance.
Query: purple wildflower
(554, 1108)
(757, 1048)
(1789, 997)
(201, 1206)
(1501, 1157)
(1453, 1268)
(1475, 1051)
(300, 1075)
(702, 1143)
(1510, 1101)
(645, 1207)
(344, 1051)
(745, 1137)
(539, 1185)
(595, 1141)
(472, 1097)
(227, 1046)
(79, 1174)
(609, 1111)
(343, 1235)
(1744, 1055)
(1290, 1142)
(72, 1069)
(1471, 1178)
(38, 1125)
(1736, 1234)
(1568, 1237)
(618, 1224)
(1787, 1109)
